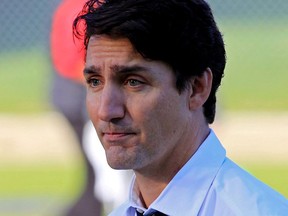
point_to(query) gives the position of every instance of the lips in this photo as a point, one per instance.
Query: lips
(117, 137)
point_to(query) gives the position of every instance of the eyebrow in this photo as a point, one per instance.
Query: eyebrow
(119, 69)
(91, 70)
(128, 69)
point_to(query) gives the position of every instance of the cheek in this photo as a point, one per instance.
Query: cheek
(161, 117)
(91, 104)
(172, 115)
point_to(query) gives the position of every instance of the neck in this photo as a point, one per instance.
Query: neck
(151, 182)
(149, 189)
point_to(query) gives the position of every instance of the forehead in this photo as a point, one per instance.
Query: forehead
(105, 55)
(104, 47)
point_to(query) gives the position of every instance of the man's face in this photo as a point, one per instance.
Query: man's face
(139, 115)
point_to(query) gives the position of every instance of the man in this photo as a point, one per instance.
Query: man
(152, 69)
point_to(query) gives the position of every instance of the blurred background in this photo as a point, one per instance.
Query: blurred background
(41, 168)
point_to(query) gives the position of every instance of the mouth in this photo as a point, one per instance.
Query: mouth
(117, 137)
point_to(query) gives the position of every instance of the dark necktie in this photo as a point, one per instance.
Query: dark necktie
(155, 213)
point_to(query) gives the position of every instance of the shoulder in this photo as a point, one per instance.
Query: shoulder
(237, 192)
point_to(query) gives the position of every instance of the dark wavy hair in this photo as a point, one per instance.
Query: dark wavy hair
(181, 33)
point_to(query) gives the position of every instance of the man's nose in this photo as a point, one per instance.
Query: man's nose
(111, 105)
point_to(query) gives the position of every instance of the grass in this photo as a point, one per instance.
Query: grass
(274, 175)
(38, 180)
(24, 80)
(42, 189)
(256, 73)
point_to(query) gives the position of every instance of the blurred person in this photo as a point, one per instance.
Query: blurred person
(68, 95)
(152, 71)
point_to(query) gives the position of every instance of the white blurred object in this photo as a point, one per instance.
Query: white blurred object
(111, 186)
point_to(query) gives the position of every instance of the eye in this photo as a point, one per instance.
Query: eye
(93, 82)
(134, 82)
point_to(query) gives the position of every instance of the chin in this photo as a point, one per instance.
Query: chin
(118, 165)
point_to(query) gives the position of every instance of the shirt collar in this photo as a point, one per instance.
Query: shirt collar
(188, 188)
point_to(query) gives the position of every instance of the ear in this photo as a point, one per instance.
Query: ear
(200, 89)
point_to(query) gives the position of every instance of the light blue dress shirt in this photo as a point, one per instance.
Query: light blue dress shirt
(210, 184)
